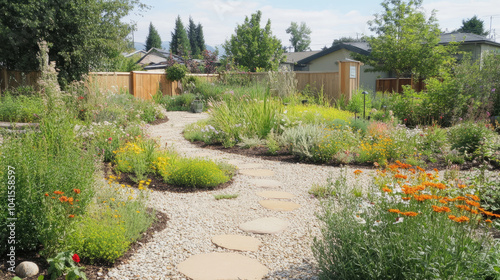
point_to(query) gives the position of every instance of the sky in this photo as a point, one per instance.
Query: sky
(327, 20)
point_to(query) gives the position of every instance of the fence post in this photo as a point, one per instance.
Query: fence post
(132, 83)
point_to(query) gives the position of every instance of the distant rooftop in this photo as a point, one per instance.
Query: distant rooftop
(293, 57)
(467, 38)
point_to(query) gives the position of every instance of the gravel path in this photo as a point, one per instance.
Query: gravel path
(196, 217)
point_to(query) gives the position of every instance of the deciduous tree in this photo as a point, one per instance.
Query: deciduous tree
(406, 42)
(80, 33)
(254, 47)
(300, 36)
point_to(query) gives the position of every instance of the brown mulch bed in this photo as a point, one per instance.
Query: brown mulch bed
(159, 121)
(91, 271)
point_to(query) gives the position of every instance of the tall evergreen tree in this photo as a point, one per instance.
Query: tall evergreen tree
(192, 35)
(200, 39)
(180, 42)
(473, 25)
(153, 40)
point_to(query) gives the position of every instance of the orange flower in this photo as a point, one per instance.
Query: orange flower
(406, 198)
(46, 194)
(451, 217)
(421, 169)
(444, 201)
(488, 221)
(70, 200)
(474, 197)
(473, 203)
(412, 170)
(461, 219)
(53, 197)
(410, 214)
(400, 176)
(435, 169)
(385, 189)
(58, 192)
(394, 211)
(474, 211)
(440, 209)
(63, 199)
(461, 186)
(71, 216)
(77, 191)
(463, 207)
(357, 172)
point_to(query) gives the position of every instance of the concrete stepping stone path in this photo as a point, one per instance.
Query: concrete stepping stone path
(279, 205)
(275, 194)
(215, 266)
(237, 242)
(257, 172)
(265, 183)
(268, 225)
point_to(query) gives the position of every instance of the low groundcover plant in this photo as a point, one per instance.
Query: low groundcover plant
(409, 225)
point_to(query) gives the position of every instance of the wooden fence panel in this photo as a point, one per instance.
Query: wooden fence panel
(14, 79)
(389, 84)
(114, 82)
(328, 80)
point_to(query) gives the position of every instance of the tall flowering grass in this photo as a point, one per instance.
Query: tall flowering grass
(407, 225)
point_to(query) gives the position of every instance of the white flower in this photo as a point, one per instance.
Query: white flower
(398, 220)
(359, 220)
(378, 223)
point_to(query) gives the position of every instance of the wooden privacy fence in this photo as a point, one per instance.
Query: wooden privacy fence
(389, 84)
(141, 84)
(14, 79)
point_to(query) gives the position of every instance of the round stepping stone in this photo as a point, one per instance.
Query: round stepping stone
(279, 205)
(237, 242)
(275, 194)
(268, 225)
(265, 183)
(234, 161)
(249, 165)
(257, 172)
(213, 266)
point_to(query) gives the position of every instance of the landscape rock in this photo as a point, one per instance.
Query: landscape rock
(257, 172)
(26, 269)
(279, 205)
(268, 225)
(237, 242)
(275, 194)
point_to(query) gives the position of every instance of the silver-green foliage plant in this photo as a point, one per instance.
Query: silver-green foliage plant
(302, 139)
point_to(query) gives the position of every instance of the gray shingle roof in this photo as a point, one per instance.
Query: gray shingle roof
(360, 47)
(465, 37)
(293, 57)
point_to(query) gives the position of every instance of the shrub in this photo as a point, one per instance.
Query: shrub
(20, 108)
(302, 139)
(196, 173)
(334, 141)
(176, 72)
(468, 137)
(178, 102)
(357, 103)
(116, 218)
(421, 229)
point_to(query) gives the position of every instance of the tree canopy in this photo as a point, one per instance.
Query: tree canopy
(180, 43)
(473, 25)
(347, 40)
(80, 33)
(406, 42)
(254, 47)
(300, 36)
(153, 40)
(200, 38)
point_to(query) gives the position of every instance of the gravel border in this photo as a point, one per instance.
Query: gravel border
(196, 217)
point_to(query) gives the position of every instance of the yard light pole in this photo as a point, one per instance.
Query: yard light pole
(364, 103)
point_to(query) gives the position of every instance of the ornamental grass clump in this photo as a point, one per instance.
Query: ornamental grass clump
(408, 225)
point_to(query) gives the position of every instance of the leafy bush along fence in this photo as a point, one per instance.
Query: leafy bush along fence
(407, 225)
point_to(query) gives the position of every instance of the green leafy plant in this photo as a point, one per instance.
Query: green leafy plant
(196, 173)
(65, 264)
(176, 72)
(468, 137)
(225, 196)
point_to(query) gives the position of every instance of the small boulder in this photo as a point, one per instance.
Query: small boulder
(26, 269)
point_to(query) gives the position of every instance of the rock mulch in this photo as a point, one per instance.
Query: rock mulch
(197, 218)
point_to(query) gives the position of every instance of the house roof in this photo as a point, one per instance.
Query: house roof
(466, 38)
(159, 52)
(358, 47)
(293, 57)
(142, 52)
(364, 47)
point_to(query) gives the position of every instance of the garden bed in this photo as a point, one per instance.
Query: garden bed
(91, 271)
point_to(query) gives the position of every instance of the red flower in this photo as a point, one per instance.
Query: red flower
(406, 120)
(109, 139)
(76, 258)
(81, 97)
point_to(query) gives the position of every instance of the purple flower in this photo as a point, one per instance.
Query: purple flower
(493, 90)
